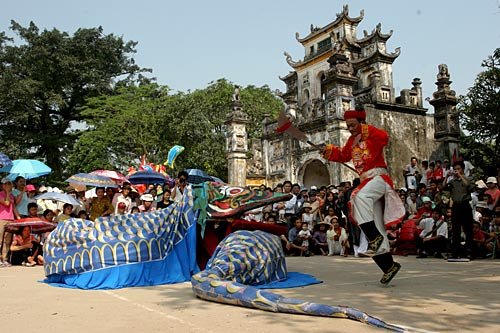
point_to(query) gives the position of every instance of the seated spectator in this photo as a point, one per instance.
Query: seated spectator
(67, 213)
(135, 210)
(147, 203)
(320, 245)
(433, 238)
(337, 240)
(479, 240)
(493, 192)
(393, 235)
(421, 192)
(83, 215)
(48, 215)
(293, 243)
(25, 250)
(411, 201)
(120, 208)
(271, 219)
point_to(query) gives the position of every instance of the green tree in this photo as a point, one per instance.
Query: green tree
(123, 126)
(46, 79)
(480, 116)
(137, 120)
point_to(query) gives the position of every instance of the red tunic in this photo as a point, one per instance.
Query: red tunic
(365, 150)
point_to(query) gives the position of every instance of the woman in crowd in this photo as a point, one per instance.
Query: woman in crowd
(21, 196)
(165, 202)
(25, 250)
(101, 205)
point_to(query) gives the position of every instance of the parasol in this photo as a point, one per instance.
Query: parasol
(91, 180)
(37, 225)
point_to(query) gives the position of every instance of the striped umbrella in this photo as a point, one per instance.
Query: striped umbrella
(91, 180)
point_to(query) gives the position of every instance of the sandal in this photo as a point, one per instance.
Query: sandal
(30, 264)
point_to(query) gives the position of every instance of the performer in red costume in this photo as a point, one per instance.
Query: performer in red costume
(374, 203)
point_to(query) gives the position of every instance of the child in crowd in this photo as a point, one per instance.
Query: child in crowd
(331, 216)
(305, 235)
(307, 216)
(337, 239)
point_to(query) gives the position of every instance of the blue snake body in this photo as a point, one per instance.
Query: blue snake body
(247, 258)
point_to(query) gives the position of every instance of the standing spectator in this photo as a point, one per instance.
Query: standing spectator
(307, 216)
(411, 172)
(460, 188)
(32, 209)
(313, 200)
(123, 197)
(100, 205)
(180, 187)
(493, 192)
(22, 199)
(425, 172)
(305, 235)
(165, 201)
(8, 212)
(438, 173)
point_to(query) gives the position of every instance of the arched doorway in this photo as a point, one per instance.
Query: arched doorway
(315, 172)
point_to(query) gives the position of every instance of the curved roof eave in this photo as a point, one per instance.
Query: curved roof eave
(375, 34)
(340, 17)
(378, 53)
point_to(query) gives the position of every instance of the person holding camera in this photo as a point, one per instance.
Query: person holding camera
(181, 184)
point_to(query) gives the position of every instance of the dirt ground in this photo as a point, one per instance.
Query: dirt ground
(428, 295)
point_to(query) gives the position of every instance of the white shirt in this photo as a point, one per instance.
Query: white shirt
(427, 226)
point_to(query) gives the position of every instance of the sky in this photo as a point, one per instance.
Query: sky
(190, 43)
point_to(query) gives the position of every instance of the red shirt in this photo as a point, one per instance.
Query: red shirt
(366, 150)
(438, 174)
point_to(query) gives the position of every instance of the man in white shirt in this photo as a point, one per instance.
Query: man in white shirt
(434, 235)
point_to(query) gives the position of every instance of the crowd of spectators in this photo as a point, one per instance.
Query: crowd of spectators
(317, 217)
(17, 201)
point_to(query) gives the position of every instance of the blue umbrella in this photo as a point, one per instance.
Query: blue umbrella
(147, 177)
(63, 197)
(196, 176)
(4, 160)
(91, 180)
(26, 168)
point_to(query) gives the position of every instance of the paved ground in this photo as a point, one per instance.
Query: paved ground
(428, 294)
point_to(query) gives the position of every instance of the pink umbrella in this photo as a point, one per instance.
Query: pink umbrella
(37, 225)
(114, 175)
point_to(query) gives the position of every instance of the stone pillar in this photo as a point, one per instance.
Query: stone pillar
(446, 121)
(236, 142)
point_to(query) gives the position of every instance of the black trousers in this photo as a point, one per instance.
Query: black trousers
(432, 246)
(461, 218)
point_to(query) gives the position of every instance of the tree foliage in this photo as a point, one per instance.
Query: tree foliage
(480, 116)
(45, 81)
(148, 119)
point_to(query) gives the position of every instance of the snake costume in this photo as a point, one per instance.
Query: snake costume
(159, 247)
(247, 258)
